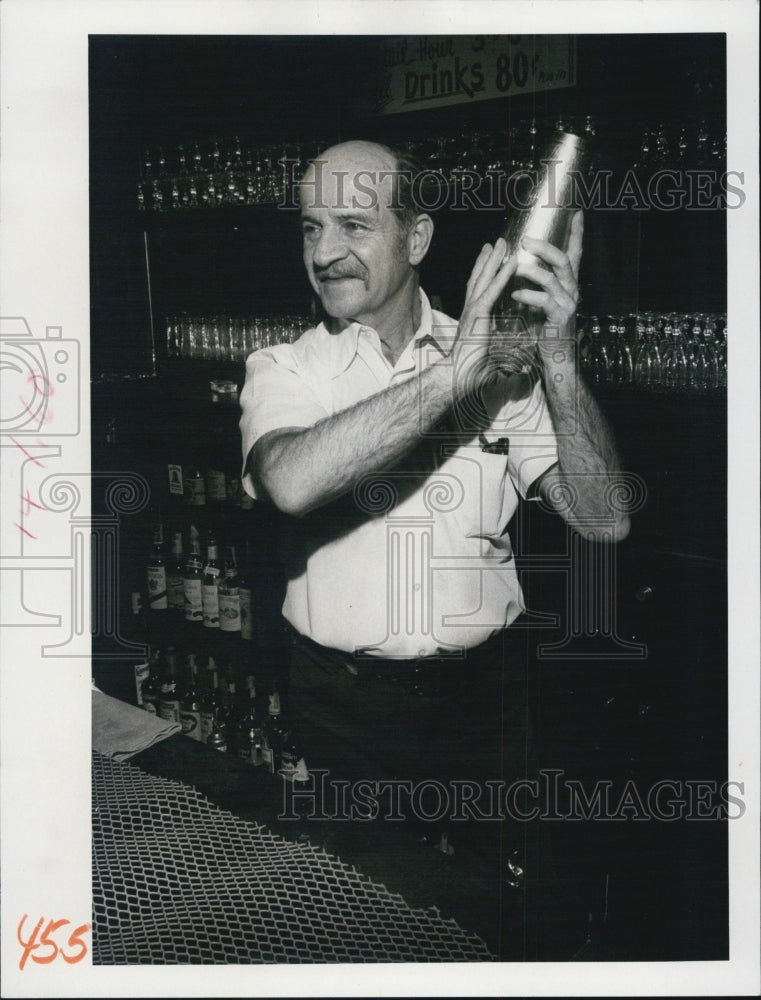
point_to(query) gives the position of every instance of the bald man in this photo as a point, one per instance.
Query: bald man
(399, 443)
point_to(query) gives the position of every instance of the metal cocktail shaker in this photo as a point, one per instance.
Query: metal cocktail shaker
(550, 207)
(545, 214)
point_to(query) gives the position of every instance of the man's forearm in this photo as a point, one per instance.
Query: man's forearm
(587, 456)
(304, 469)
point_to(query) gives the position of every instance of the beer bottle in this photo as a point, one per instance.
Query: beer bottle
(210, 585)
(192, 579)
(190, 706)
(229, 595)
(245, 596)
(156, 572)
(211, 706)
(171, 693)
(250, 736)
(149, 689)
(275, 735)
(175, 590)
(232, 712)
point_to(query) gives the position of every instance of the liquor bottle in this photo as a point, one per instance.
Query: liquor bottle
(210, 585)
(194, 488)
(292, 762)
(142, 673)
(175, 591)
(149, 691)
(229, 595)
(217, 737)
(211, 704)
(276, 735)
(232, 713)
(190, 706)
(192, 579)
(172, 692)
(156, 572)
(216, 487)
(250, 735)
(245, 594)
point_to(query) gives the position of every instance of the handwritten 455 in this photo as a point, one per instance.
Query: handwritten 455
(31, 944)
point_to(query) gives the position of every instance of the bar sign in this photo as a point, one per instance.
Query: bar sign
(432, 71)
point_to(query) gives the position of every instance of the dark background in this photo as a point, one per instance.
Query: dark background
(651, 891)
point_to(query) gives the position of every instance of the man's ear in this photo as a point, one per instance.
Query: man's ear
(419, 238)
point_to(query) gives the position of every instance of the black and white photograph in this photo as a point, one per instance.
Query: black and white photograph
(401, 576)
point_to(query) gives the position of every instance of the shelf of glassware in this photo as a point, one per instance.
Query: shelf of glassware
(678, 355)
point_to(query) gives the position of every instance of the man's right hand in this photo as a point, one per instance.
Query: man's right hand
(472, 363)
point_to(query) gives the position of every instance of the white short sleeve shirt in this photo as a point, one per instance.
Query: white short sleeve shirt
(417, 561)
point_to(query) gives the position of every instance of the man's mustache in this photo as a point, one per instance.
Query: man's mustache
(331, 273)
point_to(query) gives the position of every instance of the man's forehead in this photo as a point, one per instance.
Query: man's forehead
(350, 178)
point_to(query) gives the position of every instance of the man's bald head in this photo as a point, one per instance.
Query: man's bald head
(359, 173)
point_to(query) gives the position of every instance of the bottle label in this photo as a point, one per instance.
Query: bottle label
(193, 600)
(268, 759)
(175, 592)
(293, 768)
(191, 724)
(157, 587)
(169, 709)
(195, 492)
(246, 629)
(229, 612)
(216, 488)
(252, 753)
(175, 480)
(207, 724)
(141, 675)
(210, 601)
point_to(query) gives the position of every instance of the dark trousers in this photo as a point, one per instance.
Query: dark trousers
(446, 747)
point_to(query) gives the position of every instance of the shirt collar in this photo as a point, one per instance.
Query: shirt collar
(340, 349)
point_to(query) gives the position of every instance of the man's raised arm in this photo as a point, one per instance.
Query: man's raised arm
(301, 469)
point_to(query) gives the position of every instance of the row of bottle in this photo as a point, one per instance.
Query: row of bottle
(229, 338)
(207, 589)
(211, 710)
(674, 352)
(195, 487)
